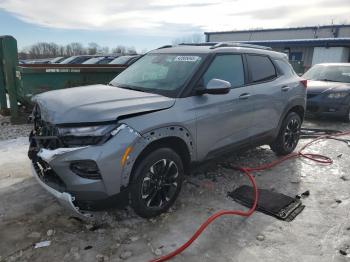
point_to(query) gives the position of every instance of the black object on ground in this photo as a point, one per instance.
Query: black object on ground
(316, 132)
(271, 203)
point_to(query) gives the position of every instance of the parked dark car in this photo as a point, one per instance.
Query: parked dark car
(125, 60)
(99, 60)
(78, 59)
(38, 61)
(328, 92)
(57, 60)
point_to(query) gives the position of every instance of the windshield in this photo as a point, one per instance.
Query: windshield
(163, 74)
(121, 60)
(67, 60)
(56, 60)
(93, 60)
(333, 73)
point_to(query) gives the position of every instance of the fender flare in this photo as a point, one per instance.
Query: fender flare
(151, 136)
(293, 103)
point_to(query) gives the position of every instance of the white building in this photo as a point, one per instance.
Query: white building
(305, 46)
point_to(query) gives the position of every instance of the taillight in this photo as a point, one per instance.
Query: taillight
(304, 82)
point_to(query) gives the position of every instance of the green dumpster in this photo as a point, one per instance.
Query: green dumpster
(3, 102)
(35, 79)
(21, 82)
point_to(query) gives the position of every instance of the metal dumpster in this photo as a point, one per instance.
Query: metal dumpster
(24, 81)
(3, 102)
(34, 79)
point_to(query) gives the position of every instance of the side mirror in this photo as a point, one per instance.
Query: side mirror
(215, 87)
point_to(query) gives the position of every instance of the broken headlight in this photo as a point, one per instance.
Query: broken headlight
(86, 135)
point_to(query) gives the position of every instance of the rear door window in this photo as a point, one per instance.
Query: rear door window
(226, 67)
(260, 68)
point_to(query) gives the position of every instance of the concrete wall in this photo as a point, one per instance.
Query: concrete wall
(281, 34)
(330, 55)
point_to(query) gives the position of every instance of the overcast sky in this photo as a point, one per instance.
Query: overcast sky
(151, 23)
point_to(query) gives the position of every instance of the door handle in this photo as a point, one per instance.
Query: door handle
(244, 96)
(285, 88)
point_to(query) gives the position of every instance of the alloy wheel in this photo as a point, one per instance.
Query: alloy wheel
(291, 134)
(160, 183)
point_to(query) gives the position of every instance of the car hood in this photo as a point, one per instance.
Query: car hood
(317, 87)
(96, 103)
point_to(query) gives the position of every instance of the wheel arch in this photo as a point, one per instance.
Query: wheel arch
(297, 106)
(297, 109)
(176, 138)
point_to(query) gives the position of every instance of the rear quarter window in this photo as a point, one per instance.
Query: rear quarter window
(261, 68)
(284, 67)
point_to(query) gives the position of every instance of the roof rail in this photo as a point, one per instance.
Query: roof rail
(165, 46)
(200, 44)
(214, 45)
(238, 44)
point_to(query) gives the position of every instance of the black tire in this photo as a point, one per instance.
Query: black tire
(288, 136)
(153, 193)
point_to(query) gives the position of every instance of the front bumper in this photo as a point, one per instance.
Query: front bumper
(64, 198)
(61, 180)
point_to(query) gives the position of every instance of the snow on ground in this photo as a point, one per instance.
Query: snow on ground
(28, 214)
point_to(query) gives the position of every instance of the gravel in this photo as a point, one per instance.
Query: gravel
(125, 254)
(9, 131)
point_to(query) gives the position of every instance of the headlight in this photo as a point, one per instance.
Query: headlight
(100, 130)
(337, 95)
(87, 135)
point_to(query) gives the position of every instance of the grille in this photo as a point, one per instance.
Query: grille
(44, 133)
(48, 176)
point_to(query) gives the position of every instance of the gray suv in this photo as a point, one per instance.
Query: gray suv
(134, 140)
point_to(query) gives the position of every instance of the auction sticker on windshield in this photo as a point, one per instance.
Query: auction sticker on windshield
(186, 58)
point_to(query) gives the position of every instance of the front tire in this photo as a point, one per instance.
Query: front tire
(157, 181)
(288, 136)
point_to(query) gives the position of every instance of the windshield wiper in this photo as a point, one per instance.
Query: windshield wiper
(327, 80)
(129, 87)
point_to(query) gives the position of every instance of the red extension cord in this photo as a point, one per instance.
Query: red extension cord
(248, 172)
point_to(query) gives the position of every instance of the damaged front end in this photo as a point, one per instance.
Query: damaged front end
(60, 159)
(45, 144)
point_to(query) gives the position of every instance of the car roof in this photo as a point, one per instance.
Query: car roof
(334, 64)
(224, 47)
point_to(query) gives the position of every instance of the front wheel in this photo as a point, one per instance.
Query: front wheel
(157, 182)
(288, 136)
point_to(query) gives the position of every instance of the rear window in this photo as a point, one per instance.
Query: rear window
(261, 68)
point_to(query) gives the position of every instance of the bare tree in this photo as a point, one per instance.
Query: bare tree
(144, 51)
(131, 51)
(119, 50)
(47, 50)
(93, 48)
(77, 49)
(194, 38)
(104, 50)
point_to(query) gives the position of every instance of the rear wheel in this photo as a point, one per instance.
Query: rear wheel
(288, 136)
(157, 182)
